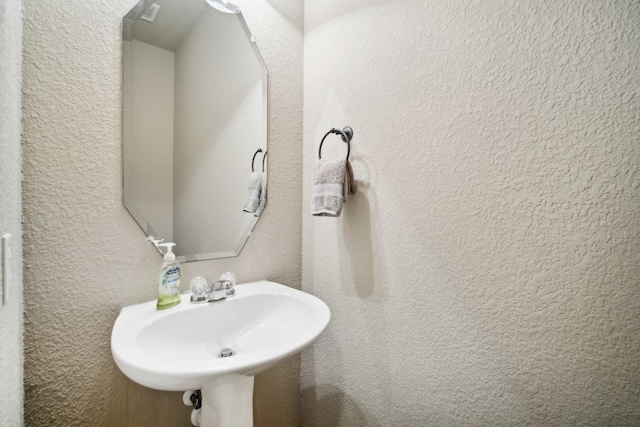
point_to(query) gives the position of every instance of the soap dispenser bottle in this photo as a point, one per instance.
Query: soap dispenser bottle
(169, 279)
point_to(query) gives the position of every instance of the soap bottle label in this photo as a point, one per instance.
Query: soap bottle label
(169, 288)
(171, 280)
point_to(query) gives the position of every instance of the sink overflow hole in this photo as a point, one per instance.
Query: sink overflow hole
(226, 352)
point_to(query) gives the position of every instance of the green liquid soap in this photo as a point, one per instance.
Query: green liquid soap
(168, 301)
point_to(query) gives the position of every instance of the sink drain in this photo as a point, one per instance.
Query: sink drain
(226, 352)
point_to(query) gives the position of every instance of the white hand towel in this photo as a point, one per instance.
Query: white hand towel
(253, 192)
(332, 184)
(263, 195)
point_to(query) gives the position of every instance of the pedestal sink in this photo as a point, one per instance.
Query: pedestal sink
(179, 349)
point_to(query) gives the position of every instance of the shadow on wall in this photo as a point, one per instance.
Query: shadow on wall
(364, 279)
(334, 408)
(129, 403)
(359, 269)
(356, 237)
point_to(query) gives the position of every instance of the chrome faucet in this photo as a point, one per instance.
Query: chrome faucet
(219, 290)
(216, 291)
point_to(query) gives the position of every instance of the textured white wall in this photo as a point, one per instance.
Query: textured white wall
(488, 270)
(84, 255)
(11, 370)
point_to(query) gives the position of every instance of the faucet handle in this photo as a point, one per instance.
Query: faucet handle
(199, 289)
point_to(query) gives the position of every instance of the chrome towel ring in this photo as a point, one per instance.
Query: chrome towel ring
(346, 134)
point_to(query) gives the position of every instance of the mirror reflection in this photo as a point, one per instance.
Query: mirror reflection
(195, 123)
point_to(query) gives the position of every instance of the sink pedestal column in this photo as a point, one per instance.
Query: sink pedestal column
(228, 402)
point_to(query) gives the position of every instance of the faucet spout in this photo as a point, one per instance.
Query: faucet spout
(219, 290)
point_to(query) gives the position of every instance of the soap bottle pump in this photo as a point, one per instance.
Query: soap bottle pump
(169, 279)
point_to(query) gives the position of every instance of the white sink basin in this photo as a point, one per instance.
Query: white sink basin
(178, 349)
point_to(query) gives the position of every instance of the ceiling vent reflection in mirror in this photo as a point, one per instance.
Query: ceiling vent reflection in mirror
(150, 14)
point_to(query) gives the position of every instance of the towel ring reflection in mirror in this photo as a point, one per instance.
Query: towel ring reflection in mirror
(346, 134)
(264, 157)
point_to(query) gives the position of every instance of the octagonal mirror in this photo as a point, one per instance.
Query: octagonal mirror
(194, 125)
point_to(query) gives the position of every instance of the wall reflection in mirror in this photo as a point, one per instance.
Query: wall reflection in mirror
(194, 116)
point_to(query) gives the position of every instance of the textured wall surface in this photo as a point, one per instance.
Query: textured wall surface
(11, 370)
(488, 270)
(84, 255)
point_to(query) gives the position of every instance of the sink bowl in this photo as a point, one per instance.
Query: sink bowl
(179, 349)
